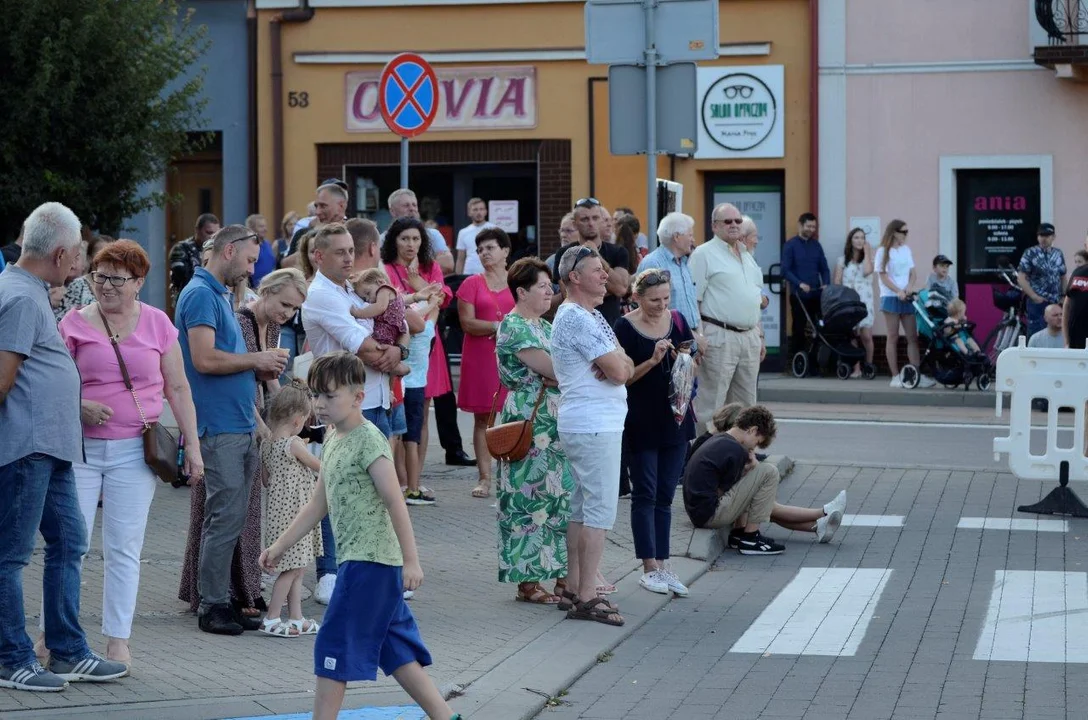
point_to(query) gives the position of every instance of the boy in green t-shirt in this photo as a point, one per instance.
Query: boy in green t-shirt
(359, 489)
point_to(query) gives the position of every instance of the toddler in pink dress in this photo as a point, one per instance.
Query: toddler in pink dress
(386, 309)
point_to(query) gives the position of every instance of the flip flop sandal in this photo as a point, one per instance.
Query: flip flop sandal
(298, 625)
(481, 491)
(277, 628)
(596, 610)
(537, 596)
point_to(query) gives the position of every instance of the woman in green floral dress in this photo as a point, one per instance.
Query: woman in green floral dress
(533, 493)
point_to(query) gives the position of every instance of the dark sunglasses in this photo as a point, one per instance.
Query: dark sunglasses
(581, 254)
(654, 278)
(587, 202)
(252, 236)
(904, 231)
(734, 221)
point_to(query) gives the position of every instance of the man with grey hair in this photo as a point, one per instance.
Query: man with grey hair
(676, 235)
(592, 370)
(223, 377)
(42, 437)
(750, 238)
(403, 203)
(330, 206)
(728, 288)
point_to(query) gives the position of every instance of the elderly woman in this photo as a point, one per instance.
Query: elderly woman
(654, 442)
(114, 419)
(279, 297)
(412, 270)
(534, 492)
(676, 235)
(483, 300)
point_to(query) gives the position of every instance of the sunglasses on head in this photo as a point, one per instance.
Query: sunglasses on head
(654, 278)
(581, 254)
(587, 203)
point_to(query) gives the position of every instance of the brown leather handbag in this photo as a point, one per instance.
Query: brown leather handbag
(510, 441)
(160, 447)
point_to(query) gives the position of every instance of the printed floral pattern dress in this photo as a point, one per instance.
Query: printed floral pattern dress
(533, 493)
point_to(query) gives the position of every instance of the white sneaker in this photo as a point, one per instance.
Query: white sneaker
(654, 582)
(829, 523)
(323, 591)
(678, 588)
(925, 381)
(897, 381)
(838, 503)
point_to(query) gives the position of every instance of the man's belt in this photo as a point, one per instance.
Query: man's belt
(725, 326)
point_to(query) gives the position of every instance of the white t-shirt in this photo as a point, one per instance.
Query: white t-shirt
(900, 263)
(586, 404)
(466, 241)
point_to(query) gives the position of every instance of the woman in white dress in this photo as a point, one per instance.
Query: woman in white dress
(854, 269)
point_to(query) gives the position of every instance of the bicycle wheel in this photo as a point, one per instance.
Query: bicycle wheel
(990, 346)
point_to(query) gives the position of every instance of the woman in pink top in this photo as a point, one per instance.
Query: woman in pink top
(112, 424)
(410, 264)
(483, 300)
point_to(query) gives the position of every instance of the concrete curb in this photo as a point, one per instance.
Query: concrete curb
(522, 685)
(859, 393)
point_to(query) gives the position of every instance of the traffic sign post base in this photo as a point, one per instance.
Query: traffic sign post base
(1060, 501)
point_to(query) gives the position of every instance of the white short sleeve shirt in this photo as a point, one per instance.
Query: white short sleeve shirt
(586, 404)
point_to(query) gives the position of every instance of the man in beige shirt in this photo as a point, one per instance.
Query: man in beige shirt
(728, 288)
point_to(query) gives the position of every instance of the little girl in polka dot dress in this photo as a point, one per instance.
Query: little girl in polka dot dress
(290, 475)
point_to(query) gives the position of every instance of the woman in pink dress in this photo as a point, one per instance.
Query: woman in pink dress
(483, 300)
(410, 265)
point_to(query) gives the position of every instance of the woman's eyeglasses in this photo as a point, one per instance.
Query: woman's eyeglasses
(115, 280)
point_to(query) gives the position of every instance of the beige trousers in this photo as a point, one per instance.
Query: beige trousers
(753, 495)
(729, 370)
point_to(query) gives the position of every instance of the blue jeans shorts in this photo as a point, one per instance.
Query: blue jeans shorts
(895, 305)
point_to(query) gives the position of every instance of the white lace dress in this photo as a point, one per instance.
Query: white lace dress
(853, 276)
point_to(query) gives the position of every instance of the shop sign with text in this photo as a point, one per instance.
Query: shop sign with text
(998, 214)
(741, 112)
(478, 98)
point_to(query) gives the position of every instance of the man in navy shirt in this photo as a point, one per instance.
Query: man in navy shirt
(805, 267)
(223, 378)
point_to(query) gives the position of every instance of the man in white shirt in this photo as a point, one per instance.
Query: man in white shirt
(468, 262)
(1051, 336)
(592, 370)
(403, 203)
(729, 290)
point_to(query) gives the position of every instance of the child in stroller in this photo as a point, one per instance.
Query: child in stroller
(952, 357)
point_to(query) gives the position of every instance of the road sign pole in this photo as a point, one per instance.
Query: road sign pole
(404, 162)
(648, 7)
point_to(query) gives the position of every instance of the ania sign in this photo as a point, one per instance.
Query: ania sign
(741, 112)
(478, 98)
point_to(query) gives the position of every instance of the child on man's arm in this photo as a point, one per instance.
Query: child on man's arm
(359, 489)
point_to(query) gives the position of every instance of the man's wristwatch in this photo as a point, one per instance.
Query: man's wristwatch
(403, 352)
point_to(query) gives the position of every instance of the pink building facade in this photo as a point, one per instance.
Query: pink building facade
(937, 113)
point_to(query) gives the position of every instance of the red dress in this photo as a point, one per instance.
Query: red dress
(479, 363)
(438, 373)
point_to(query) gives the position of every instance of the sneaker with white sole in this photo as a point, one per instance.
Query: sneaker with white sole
(324, 588)
(758, 544)
(925, 381)
(654, 582)
(90, 668)
(897, 381)
(677, 588)
(837, 503)
(31, 677)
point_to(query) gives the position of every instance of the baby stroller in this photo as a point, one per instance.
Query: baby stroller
(942, 360)
(835, 334)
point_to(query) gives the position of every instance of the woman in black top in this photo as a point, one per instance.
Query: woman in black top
(654, 443)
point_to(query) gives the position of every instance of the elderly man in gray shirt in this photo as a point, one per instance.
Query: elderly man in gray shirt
(42, 437)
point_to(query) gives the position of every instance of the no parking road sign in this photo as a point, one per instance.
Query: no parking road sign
(408, 95)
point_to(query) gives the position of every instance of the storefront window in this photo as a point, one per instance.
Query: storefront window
(997, 216)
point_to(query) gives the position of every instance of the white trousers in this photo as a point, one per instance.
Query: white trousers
(116, 470)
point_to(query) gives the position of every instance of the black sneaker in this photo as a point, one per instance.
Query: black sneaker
(219, 620)
(757, 544)
(89, 668)
(733, 542)
(31, 677)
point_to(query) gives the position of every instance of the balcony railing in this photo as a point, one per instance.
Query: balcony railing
(1065, 21)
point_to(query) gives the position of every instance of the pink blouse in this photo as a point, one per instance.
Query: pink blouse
(102, 382)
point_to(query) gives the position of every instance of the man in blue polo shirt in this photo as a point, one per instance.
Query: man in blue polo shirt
(804, 265)
(223, 377)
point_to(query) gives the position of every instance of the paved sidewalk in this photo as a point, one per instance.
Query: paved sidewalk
(971, 624)
(469, 621)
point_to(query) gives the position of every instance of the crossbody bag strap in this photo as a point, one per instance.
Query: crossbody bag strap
(124, 368)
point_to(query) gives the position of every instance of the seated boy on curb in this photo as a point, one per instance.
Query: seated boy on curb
(723, 481)
(367, 625)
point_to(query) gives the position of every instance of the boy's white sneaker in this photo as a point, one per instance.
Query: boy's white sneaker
(325, 586)
(837, 503)
(897, 381)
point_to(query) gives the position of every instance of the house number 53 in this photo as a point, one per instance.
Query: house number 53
(298, 99)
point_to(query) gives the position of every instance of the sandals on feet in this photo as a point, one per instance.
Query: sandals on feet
(305, 626)
(567, 599)
(536, 594)
(482, 489)
(278, 628)
(597, 610)
(603, 586)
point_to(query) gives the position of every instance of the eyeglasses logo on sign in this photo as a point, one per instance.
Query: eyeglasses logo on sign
(739, 111)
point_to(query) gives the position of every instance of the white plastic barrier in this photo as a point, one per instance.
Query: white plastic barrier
(1059, 376)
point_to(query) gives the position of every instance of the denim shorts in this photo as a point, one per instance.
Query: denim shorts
(397, 423)
(413, 414)
(379, 417)
(595, 462)
(895, 305)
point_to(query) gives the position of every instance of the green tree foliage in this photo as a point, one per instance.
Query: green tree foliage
(94, 104)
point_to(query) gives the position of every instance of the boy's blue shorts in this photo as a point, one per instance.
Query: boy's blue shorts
(367, 625)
